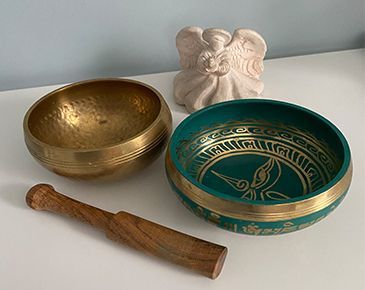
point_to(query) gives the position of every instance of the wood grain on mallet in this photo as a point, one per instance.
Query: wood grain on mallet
(195, 254)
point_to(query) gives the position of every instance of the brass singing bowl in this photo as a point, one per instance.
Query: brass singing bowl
(103, 128)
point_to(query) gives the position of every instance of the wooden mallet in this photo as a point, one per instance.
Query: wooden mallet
(195, 254)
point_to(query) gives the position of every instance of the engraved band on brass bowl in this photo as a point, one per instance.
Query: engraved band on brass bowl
(257, 212)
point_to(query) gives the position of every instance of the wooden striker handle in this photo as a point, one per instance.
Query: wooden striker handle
(195, 254)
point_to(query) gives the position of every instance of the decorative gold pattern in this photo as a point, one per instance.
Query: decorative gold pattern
(259, 187)
(310, 158)
(252, 228)
(257, 212)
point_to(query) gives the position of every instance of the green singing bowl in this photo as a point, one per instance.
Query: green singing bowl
(259, 167)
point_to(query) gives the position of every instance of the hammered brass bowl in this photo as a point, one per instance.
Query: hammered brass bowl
(103, 128)
(259, 167)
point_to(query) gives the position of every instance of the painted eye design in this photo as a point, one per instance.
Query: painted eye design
(262, 175)
(263, 180)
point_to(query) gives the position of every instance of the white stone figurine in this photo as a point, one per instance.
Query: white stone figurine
(217, 67)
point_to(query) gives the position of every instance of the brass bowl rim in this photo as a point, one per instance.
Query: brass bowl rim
(40, 143)
(344, 173)
(264, 212)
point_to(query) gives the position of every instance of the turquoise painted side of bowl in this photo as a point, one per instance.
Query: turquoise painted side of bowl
(259, 167)
(254, 227)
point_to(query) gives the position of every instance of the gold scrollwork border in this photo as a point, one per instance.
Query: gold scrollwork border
(257, 212)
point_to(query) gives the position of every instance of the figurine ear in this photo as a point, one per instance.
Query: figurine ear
(190, 43)
(248, 49)
(256, 41)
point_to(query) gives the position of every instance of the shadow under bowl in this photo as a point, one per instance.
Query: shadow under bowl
(259, 167)
(98, 128)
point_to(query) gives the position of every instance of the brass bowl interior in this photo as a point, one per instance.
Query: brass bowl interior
(94, 114)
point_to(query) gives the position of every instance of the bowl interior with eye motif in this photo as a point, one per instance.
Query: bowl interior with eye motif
(256, 152)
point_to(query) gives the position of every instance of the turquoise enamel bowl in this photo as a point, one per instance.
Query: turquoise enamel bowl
(259, 167)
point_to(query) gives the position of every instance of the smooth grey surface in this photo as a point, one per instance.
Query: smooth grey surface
(57, 41)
